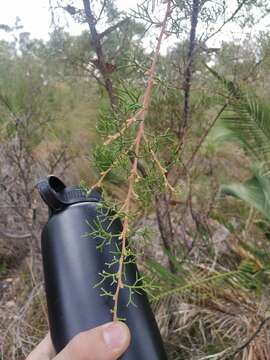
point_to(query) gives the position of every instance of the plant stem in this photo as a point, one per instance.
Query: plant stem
(133, 173)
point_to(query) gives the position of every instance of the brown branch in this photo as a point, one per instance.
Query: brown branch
(253, 336)
(189, 67)
(123, 237)
(126, 125)
(192, 51)
(190, 161)
(96, 43)
(134, 169)
(112, 28)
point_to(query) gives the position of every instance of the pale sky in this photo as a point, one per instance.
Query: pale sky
(36, 19)
(34, 16)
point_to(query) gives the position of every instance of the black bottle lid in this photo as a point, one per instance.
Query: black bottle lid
(58, 196)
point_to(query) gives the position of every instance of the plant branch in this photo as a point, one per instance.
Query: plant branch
(190, 161)
(134, 169)
(112, 28)
(227, 20)
(252, 337)
(96, 43)
(189, 66)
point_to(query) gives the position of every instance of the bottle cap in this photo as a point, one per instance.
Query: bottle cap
(58, 196)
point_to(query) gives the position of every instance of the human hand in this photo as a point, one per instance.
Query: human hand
(106, 342)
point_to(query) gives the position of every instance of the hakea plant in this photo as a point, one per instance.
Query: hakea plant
(129, 144)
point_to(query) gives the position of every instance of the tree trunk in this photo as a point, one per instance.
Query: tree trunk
(101, 61)
(189, 67)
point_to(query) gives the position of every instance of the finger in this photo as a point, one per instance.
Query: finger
(106, 342)
(44, 351)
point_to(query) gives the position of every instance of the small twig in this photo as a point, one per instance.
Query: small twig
(126, 125)
(252, 337)
(107, 171)
(112, 28)
(103, 175)
(101, 10)
(190, 161)
(236, 11)
(163, 171)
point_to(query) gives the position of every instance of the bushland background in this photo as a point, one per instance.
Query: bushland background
(198, 214)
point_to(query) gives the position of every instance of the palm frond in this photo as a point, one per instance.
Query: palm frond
(255, 191)
(247, 119)
(233, 90)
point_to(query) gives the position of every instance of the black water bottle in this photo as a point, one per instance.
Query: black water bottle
(74, 255)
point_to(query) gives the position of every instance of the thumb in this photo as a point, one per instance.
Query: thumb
(106, 342)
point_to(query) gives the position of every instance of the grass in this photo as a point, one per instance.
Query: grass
(24, 322)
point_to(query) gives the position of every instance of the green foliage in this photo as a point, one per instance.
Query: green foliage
(110, 122)
(100, 230)
(247, 122)
(147, 187)
(254, 191)
(250, 275)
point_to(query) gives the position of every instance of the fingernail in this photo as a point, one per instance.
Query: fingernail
(115, 335)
